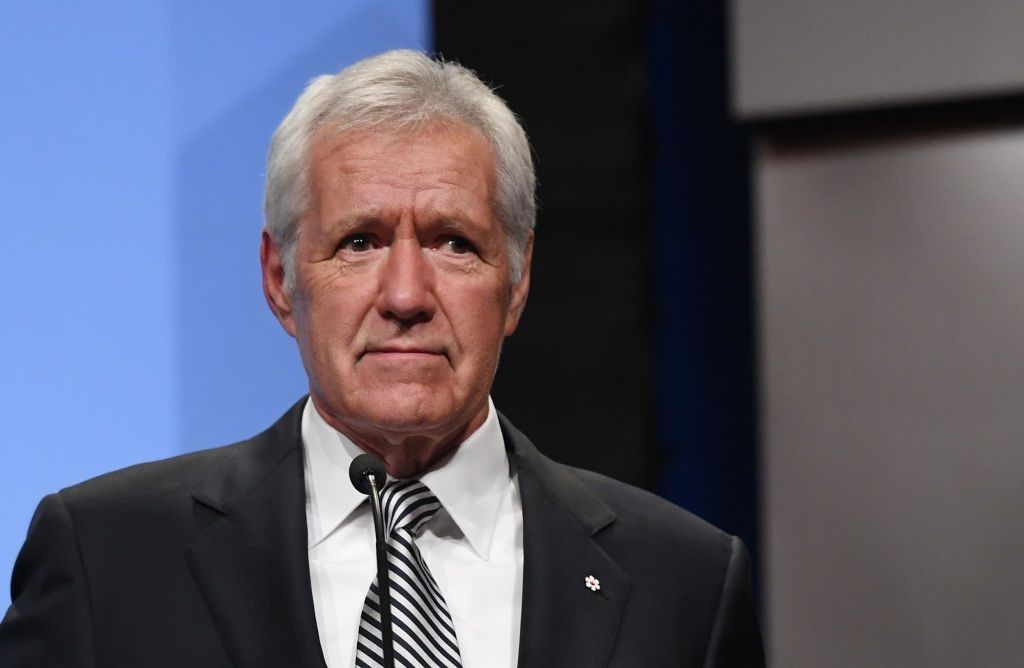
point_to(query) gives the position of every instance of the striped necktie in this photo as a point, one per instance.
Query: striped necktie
(424, 636)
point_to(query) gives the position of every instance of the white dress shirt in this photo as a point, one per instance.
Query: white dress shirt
(473, 545)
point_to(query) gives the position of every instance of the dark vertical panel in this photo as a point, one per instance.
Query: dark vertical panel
(577, 377)
(705, 350)
(637, 347)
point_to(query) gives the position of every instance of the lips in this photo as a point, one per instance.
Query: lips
(400, 352)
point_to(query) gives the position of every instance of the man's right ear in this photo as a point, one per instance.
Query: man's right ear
(274, 283)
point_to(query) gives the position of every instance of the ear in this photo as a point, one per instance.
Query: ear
(520, 290)
(278, 297)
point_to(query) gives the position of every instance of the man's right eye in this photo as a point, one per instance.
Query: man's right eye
(357, 243)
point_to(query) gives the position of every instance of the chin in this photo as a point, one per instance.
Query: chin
(410, 409)
(406, 409)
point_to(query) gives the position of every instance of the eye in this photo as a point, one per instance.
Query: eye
(457, 245)
(357, 243)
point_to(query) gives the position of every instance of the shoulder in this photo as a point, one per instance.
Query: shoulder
(605, 505)
(678, 566)
(151, 480)
(147, 508)
(644, 519)
(616, 510)
(642, 527)
(168, 486)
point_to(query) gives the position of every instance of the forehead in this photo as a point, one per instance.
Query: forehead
(435, 157)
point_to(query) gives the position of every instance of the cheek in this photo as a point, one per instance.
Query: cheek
(330, 322)
(480, 319)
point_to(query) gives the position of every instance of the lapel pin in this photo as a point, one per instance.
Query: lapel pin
(593, 584)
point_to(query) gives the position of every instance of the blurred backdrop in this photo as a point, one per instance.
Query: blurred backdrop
(776, 275)
(132, 165)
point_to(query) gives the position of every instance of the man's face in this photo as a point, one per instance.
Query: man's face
(402, 291)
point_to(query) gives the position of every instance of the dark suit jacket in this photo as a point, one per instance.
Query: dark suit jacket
(201, 560)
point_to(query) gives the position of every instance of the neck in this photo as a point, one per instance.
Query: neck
(407, 455)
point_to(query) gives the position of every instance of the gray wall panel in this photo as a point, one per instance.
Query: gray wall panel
(892, 315)
(795, 56)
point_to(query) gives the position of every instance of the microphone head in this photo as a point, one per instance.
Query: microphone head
(364, 466)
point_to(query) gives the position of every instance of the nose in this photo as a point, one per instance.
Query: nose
(407, 284)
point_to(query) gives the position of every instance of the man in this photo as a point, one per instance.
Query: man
(400, 213)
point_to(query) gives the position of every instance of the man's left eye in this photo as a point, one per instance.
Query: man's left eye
(457, 245)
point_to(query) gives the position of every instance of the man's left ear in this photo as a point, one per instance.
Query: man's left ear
(520, 290)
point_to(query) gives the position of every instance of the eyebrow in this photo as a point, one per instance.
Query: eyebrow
(355, 221)
(454, 223)
(447, 217)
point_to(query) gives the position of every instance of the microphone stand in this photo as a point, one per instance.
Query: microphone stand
(383, 575)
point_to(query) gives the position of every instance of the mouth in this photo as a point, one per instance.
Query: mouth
(403, 352)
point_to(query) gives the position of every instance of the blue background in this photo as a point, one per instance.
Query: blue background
(131, 163)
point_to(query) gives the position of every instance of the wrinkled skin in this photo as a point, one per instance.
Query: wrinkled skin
(402, 289)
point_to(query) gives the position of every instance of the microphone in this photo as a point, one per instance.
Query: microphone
(362, 468)
(368, 475)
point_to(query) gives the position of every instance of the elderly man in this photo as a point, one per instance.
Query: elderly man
(399, 230)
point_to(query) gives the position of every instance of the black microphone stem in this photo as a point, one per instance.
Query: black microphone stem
(383, 575)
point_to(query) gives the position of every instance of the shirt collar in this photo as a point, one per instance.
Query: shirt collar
(330, 496)
(471, 484)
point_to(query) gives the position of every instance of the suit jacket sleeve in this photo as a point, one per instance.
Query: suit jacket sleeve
(736, 635)
(49, 621)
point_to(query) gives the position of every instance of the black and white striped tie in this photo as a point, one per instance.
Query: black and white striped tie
(424, 636)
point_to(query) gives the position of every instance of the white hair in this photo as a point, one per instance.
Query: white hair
(395, 91)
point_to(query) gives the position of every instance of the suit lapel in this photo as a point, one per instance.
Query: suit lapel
(251, 563)
(564, 623)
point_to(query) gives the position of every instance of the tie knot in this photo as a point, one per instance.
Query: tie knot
(408, 505)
